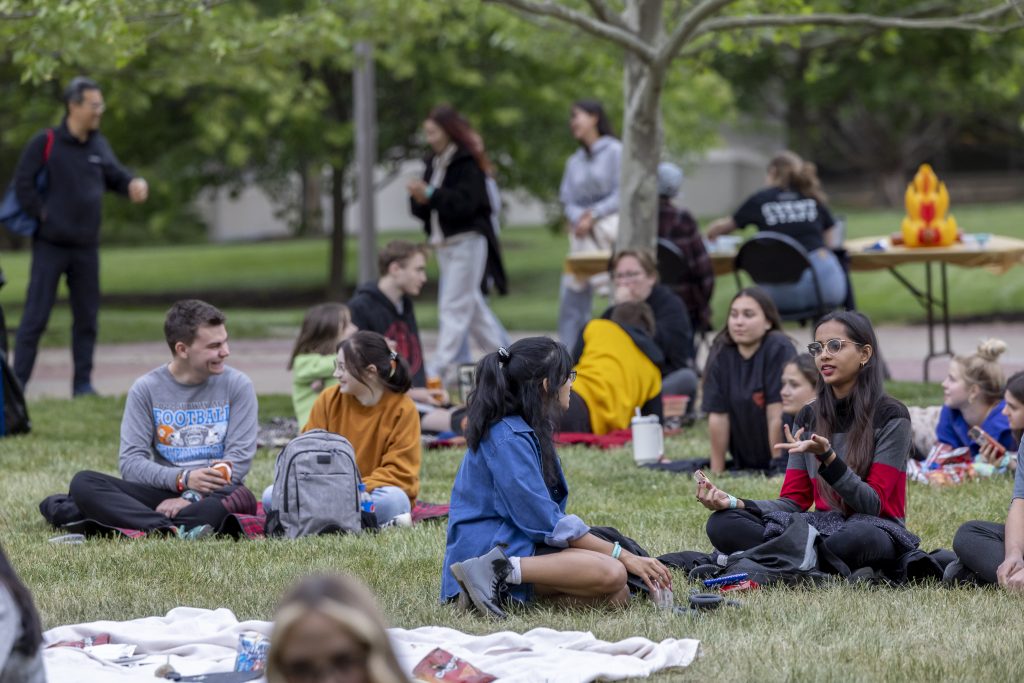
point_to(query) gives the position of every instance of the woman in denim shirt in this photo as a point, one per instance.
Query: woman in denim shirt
(510, 495)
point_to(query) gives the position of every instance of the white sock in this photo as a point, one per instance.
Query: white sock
(515, 577)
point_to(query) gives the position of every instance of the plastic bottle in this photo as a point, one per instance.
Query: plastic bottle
(365, 501)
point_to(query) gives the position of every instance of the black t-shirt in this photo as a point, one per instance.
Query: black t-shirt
(742, 387)
(789, 212)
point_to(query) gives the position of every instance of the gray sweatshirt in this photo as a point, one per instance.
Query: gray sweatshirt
(14, 666)
(169, 427)
(591, 181)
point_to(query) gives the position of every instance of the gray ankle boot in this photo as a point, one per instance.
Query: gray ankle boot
(483, 580)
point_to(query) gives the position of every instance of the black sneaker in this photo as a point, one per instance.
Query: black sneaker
(483, 580)
(84, 390)
(956, 573)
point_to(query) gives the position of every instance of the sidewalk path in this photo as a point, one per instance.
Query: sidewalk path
(265, 360)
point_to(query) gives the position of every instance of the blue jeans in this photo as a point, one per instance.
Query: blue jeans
(388, 502)
(800, 296)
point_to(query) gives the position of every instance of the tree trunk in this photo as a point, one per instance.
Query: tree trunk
(311, 212)
(336, 266)
(641, 137)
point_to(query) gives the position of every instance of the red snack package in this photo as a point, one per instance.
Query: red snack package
(441, 665)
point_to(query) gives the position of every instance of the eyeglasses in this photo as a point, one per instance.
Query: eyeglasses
(833, 345)
(572, 376)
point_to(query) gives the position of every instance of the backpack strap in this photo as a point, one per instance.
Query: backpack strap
(49, 145)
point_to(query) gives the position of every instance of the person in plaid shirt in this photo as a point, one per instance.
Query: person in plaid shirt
(697, 282)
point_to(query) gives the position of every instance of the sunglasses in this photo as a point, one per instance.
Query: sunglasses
(833, 345)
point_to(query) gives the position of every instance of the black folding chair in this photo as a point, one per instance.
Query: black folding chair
(772, 258)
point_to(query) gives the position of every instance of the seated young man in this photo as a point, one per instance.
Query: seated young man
(617, 371)
(179, 421)
(386, 307)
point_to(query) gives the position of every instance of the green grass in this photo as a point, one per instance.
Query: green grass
(923, 632)
(251, 272)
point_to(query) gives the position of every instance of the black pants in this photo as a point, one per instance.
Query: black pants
(858, 544)
(127, 505)
(981, 548)
(81, 266)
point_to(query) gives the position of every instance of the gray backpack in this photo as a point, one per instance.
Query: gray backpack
(316, 487)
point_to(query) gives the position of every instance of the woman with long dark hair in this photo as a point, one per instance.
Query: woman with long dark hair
(743, 381)
(590, 199)
(21, 637)
(795, 205)
(510, 495)
(452, 202)
(847, 458)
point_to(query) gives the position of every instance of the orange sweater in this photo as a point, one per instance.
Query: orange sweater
(386, 436)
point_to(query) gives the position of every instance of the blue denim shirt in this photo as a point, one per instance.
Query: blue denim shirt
(500, 498)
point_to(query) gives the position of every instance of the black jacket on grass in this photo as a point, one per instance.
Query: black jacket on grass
(80, 172)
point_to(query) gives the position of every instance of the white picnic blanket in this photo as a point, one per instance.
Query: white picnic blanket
(197, 641)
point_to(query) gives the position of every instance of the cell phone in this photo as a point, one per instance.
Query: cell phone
(700, 477)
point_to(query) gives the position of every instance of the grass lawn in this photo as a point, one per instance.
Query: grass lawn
(252, 271)
(836, 632)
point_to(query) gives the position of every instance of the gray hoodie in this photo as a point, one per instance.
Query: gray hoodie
(591, 181)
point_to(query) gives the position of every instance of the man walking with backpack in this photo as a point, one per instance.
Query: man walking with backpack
(188, 437)
(81, 166)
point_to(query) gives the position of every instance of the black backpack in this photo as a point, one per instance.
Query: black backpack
(13, 410)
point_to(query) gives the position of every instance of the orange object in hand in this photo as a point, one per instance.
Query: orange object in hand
(224, 468)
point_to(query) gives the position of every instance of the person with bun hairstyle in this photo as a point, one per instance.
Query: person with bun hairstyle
(371, 409)
(795, 205)
(988, 552)
(21, 639)
(451, 199)
(312, 361)
(847, 458)
(973, 397)
(743, 381)
(328, 628)
(509, 537)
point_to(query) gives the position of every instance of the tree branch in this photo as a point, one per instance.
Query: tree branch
(625, 39)
(965, 22)
(689, 26)
(606, 14)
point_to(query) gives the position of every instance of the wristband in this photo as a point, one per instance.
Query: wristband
(180, 482)
(185, 480)
(732, 502)
(824, 456)
(616, 550)
(429, 191)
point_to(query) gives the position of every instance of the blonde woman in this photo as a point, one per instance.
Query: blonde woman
(972, 396)
(328, 628)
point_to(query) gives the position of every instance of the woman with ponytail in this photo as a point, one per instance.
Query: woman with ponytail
(370, 408)
(847, 458)
(795, 205)
(510, 495)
